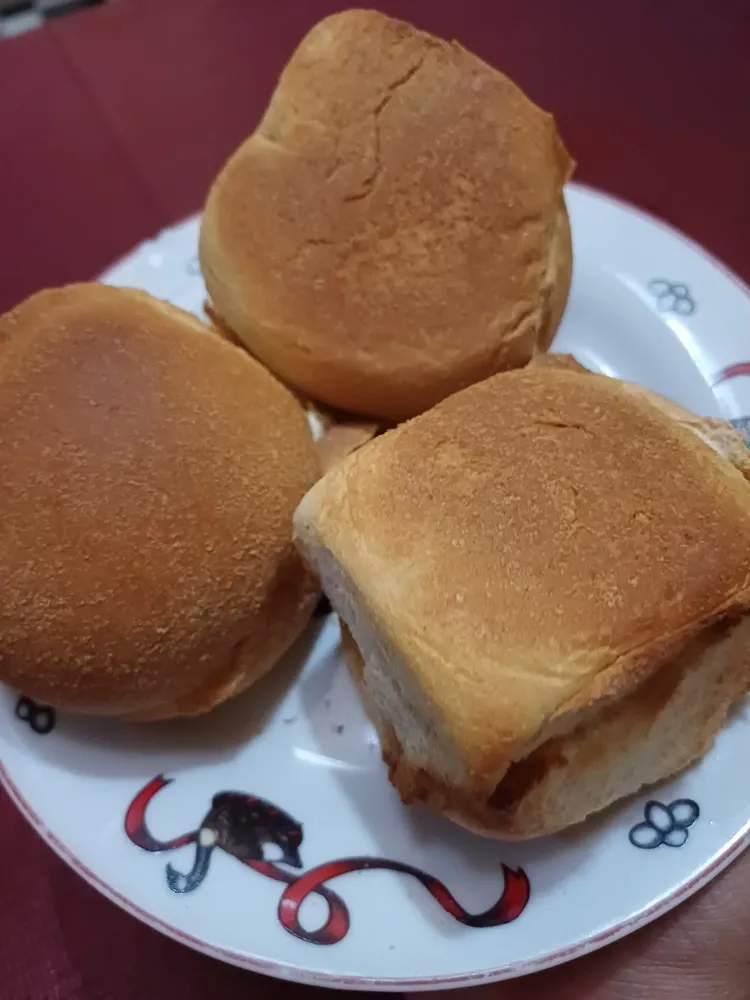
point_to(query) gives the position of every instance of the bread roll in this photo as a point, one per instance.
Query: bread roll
(148, 475)
(547, 578)
(395, 229)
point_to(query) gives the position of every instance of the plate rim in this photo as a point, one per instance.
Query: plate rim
(510, 970)
(647, 216)
(281, 970)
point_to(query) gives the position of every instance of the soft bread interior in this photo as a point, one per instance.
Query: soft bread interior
(390, 687)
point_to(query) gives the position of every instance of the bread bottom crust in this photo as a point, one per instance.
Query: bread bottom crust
(655, 732)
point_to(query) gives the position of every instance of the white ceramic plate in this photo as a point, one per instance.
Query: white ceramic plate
(299, 762)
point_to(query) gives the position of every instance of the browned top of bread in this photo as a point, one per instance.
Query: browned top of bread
(393, 229)
(720, 434)
(148, 475)
(532, 547)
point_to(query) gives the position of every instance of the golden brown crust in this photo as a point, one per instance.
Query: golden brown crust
(533, 547)
(720, 434)
(393, 230)
(149, 471)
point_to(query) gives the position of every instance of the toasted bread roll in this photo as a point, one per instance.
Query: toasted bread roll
(547, 578)
(148, 475)
(394, 230)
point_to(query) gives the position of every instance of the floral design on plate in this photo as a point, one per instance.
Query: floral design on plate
(41, 718)
(242, 825)
(672, 296)
(665, 824)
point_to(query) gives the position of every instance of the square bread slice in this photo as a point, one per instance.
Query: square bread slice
(541, 554)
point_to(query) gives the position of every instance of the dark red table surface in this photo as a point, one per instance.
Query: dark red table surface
(112, 123)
